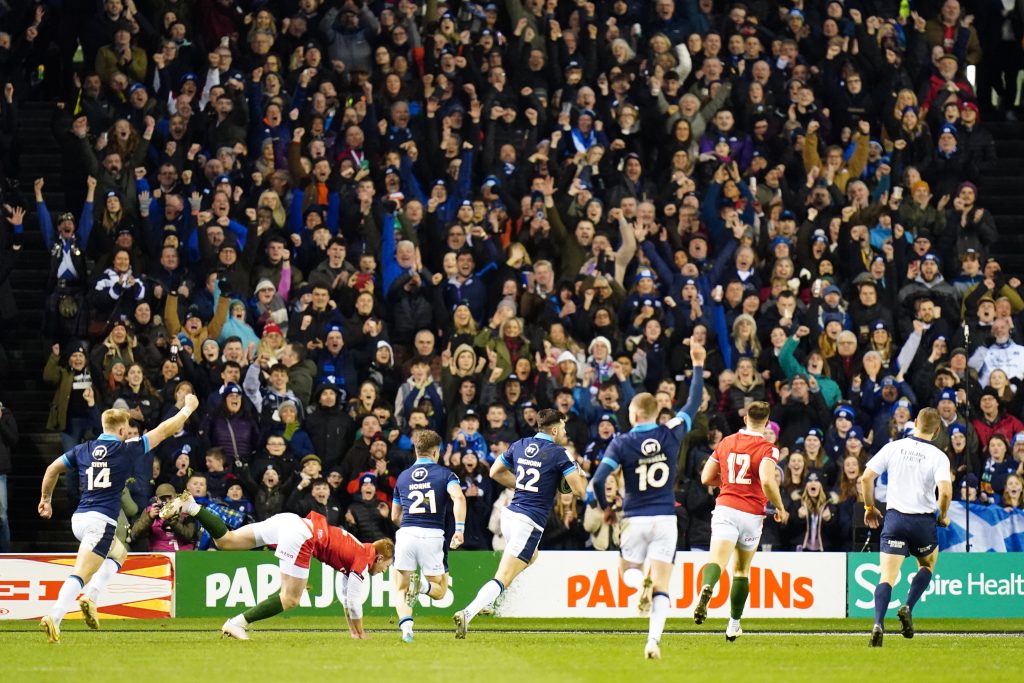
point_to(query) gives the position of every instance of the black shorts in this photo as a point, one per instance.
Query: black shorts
(904, 534)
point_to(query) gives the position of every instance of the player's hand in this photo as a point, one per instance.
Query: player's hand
(873, 518)
(191, 402)
(45, 509)
(943, 521)
(697, 353)
(781, 516)
(458, 538)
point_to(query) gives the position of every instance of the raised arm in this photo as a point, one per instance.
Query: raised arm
(459, 511)
(172, 425)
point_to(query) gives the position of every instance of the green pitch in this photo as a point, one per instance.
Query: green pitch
(520, 650)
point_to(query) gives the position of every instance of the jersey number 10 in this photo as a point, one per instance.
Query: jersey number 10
(652, 476)
(741, 461)
(98, 478)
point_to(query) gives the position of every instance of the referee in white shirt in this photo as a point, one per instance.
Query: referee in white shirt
(916, 468)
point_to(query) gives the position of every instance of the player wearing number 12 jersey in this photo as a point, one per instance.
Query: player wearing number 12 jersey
(743, 466)
(420, 508)
(647, 456)
(534, 467)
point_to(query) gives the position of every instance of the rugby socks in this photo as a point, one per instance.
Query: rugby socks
(67, 599)
(633, 577)
(489, 592)
(101, 578)
(268, 608)
(738, 596)
(405, 624)
(883, 593)
(210, 521)
(425, 586)
(659, 613)
(918, 586)
(710, 575)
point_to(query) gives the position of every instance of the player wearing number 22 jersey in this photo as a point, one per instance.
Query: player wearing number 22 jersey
(534, 467)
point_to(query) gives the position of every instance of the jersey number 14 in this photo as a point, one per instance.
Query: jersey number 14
(739, 466)
(98, 478)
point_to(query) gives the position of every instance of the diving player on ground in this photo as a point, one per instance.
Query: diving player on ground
(743, 465)
(297, 539)
(916, 468)
(102, 466)
(647, 457)
(419, 507)
(534, 467)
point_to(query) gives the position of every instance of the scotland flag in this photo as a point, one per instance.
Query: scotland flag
(993, 529)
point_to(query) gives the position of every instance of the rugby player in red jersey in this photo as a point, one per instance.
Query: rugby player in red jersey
(743, 466)
(296, 540)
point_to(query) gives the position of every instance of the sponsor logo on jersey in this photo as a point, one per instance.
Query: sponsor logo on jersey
(532, 450)
(419, 474)
(99, 453)
(650, 447)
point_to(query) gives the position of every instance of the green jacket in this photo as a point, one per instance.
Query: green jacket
(828, 388)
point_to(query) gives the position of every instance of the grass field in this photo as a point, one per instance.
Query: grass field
(521, 650)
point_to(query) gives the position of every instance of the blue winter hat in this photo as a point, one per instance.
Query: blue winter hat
(844, 411)
(947, 395)
(957, 428)
(231, 388)
(855, 433)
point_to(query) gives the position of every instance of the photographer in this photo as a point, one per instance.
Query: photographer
(162, 535)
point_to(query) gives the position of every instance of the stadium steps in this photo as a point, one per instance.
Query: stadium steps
(23, 388)
(1001, 190)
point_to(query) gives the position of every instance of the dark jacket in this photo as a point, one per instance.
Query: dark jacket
(8, 438)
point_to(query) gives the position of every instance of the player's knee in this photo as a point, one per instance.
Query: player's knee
(289, 601)
(438, 587)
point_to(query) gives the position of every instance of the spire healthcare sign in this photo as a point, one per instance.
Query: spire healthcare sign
(982, 585)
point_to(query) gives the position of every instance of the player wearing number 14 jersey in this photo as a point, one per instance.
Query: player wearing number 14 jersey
(534, 467)
(647, 456)
(743, 466)
(102, 467)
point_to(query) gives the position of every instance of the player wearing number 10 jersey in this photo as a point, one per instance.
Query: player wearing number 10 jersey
(743, 466)
(647, 456)
(534, 467)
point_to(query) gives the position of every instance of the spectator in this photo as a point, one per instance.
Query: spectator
(993, 420)
(368, 515)
(998, 468)
(604, 526)
(565, 530)
(163, 536)
(8, 439)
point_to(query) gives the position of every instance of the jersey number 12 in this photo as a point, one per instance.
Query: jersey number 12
(98, 478)
(741, 461)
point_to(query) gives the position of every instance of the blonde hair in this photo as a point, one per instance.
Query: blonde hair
(384, 547)
(645, 406)
(114, 420)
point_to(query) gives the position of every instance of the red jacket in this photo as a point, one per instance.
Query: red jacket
(1007, 425)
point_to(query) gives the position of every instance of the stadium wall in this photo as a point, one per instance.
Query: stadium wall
(560, 584)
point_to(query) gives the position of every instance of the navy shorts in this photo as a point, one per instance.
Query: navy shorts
(904, 534)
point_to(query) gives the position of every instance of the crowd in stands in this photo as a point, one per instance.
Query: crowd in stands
(337, 222)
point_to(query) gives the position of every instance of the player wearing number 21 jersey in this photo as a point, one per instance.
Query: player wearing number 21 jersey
(534, 467)
(648, 456)
(420, 508)
(743, 466)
